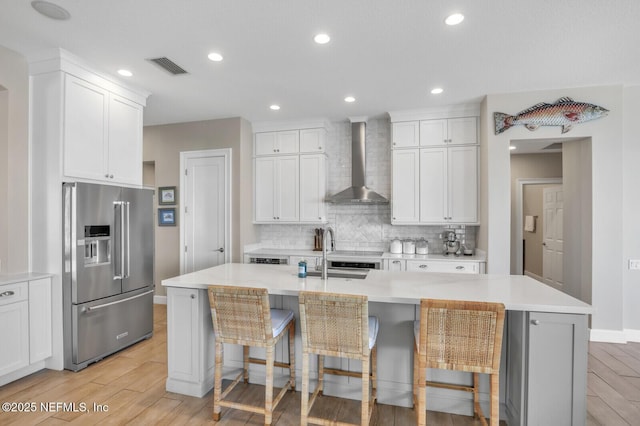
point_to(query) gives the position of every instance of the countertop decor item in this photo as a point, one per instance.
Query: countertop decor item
(565, 112)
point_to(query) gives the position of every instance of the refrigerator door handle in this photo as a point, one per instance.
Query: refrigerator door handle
(104, 305)
(120, 256)
(128, 241)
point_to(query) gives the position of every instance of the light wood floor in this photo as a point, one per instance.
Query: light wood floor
(131, 384)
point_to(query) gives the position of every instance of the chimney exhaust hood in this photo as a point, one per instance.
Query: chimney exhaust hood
(358, 193)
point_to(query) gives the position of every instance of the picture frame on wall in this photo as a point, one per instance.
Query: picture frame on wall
(167, 216)
(166, 195)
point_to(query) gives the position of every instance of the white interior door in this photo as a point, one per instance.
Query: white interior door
(552, 246)
(205, 210)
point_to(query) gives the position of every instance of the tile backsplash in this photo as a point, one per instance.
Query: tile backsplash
(359, 227)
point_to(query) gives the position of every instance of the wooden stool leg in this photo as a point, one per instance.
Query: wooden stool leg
(217, 381)
(476, 396)
(320, 374)
(495, 399)
(364, 407)
(415, 376)
(292, 355)
(422, 394)
(245, 363)
(268, 391)
(374, 370)
(304, 397)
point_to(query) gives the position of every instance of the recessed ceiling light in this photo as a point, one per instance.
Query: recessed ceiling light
(125, 73)
(215, 57)
(322, 38)
(51, 10)
(349, 99)
(454, 19)
(511, 147)
(436, 90)
(275, 107)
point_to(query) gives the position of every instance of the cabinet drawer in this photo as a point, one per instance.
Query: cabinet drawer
(437, 266)
(12, 293)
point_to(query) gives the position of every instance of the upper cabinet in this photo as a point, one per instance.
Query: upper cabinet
(290, 176)
(434, 132)
(434, 169)
(94, 124)
(102, 134)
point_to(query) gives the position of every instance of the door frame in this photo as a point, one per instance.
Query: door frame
(520, 183)
(189, 155)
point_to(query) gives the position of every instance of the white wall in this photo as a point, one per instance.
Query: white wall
(607, 184)
(631, 209)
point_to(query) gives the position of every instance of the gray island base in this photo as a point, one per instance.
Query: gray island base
(543, 376)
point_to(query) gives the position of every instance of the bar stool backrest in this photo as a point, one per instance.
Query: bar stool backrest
(241, 315)
(465, 336)
(334, 324)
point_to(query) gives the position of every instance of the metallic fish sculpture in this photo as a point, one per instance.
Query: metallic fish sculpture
(565, 112)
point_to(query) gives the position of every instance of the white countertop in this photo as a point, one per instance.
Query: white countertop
(517, 292)
(25, 276)
(479, 257)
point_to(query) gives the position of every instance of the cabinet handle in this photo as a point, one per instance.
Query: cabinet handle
(107, 175)
(7, 293)
(193, 296)
(396, 261)
(320, 148)
(111, 176)
(423, 266)
(535, 322)
(459, 268)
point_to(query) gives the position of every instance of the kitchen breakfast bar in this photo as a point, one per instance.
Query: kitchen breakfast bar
(543, 376)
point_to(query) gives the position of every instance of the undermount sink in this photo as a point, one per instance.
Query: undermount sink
(333, 273)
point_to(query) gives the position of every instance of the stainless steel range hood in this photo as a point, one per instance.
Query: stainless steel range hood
(358, 192)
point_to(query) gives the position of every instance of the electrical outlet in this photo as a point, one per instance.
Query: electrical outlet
(634, 263)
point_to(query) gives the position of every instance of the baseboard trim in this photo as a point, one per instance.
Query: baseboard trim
(632, 335)
(159, 300)
(609, 336)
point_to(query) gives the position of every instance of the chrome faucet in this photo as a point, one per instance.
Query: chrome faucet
(326, 230)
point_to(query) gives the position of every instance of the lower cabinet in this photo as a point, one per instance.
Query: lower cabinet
(548, 383)
(462, 267)
(25, 325)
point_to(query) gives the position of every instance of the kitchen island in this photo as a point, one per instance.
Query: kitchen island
(544, 363)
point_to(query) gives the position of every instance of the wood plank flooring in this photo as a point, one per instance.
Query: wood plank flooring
(129, 388)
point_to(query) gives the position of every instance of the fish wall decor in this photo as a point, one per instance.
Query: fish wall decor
(564, 112)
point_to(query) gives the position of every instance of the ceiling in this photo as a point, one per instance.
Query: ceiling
(388, 54)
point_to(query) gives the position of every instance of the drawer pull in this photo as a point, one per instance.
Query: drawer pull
(423, 266)
(396, 262)
(7, 293)
(459, 268)
(535, 322)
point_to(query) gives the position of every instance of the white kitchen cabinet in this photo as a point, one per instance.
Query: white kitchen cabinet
(405, 190)
(449, 131)
(290, 188)
(405, 134)
(394, 265)
(462, 267)
(276, 196)
(14, 327)
(125, 141)
(276, 143)
(449, 185)
(189, 328)
(40, 343)
(313, 188)
(549, 385)
(102, 138)
(25, 325)
(312, 140)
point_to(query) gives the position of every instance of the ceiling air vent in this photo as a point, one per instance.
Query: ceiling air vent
(168, 65)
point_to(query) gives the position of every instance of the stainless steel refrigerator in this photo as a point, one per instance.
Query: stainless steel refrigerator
(107, 270)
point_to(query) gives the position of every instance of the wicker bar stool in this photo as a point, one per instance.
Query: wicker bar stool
(337, 325)
(242, 316)
(458, 335)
